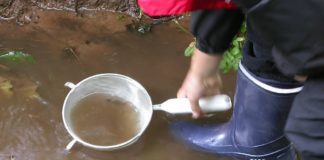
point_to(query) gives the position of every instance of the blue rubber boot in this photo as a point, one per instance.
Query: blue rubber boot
(256, 128)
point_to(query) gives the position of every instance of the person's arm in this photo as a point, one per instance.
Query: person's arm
(214, 31)
(201, 80)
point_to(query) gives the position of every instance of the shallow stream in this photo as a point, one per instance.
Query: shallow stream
(67, 47)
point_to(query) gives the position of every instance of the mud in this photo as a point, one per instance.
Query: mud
(67, 47)
(25, 11)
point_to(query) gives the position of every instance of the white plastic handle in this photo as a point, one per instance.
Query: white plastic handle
(70, 85)
(211, 104)
(70, 145)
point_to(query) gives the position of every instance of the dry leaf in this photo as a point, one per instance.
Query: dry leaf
(6, 86)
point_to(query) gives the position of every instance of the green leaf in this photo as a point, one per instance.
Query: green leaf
(240, 39)
(236, 51)
(17, 57)
(190, 49)
(232, 57)
(243, 28)
(236, 43)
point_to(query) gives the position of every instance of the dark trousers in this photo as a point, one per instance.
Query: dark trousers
(305, 124)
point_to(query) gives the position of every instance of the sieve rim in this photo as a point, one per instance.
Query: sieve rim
(119, 145)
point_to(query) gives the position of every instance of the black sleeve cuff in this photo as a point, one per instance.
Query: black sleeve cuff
(215, 29)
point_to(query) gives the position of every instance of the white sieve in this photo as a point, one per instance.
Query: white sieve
(131, 91)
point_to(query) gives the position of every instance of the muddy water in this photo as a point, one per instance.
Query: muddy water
(105, 120)
(71, 48)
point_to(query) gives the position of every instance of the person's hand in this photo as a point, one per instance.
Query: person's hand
(202, 80)
(300, 78)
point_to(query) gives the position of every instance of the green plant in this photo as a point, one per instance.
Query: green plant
(17, 57)
(232, 56)
(190, 49)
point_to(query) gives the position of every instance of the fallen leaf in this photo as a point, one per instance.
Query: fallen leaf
(6, 86)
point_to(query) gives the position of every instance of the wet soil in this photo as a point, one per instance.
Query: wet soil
(25, 11)
(67, 47)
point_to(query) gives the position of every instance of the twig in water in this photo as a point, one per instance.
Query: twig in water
(71, 52)
(9, 156)
(180, 26)
(3, 67)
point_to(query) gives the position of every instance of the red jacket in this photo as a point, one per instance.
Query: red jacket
(174, 7)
